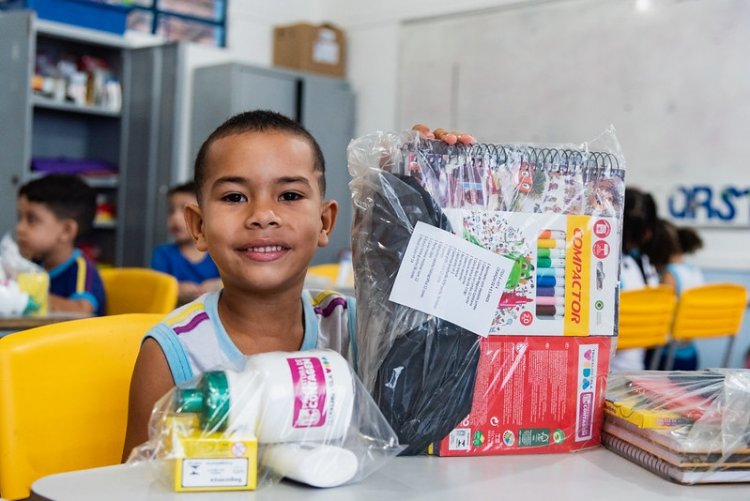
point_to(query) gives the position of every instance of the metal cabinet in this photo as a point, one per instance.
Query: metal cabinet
(35, 126)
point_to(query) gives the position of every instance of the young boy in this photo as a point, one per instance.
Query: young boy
(52, 212)
(193, 268)
(261, 214)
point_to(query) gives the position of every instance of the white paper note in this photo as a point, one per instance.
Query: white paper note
(444, 275)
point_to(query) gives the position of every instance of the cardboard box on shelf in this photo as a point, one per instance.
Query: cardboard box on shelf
(533, 395)
(318, 48)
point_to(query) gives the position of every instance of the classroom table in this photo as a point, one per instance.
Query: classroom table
(14, 323)
(588, 475)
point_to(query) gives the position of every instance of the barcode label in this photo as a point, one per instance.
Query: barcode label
(460, 439)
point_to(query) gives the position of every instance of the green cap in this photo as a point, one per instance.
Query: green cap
(215, 388)
(210, 400)
(188, 400)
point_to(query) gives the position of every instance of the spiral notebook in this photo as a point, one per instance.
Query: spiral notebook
(556, 212)
(683, 474)
(679, 446)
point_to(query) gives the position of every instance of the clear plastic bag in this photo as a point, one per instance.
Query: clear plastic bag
(543, 208)
(302, 415)
(24, 286)
(690, 427)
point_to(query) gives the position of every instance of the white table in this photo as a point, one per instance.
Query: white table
(590, 475)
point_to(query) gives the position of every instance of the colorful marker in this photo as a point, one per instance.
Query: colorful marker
(551, 272)
(546, 262)
(550, 301)
(551, 243)
(549, 310)
(551, 253)
(550, 291)
(542, 281)
(552, 234)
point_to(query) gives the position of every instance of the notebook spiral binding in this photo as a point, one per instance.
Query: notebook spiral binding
(516, 178)
(561, 160)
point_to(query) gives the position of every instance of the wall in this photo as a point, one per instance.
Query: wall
(374, 32)
(249, 39)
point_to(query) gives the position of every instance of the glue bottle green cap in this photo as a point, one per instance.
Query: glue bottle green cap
(210, 400)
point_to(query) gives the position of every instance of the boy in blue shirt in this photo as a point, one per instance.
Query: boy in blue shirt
(194, 269)
(53, 212)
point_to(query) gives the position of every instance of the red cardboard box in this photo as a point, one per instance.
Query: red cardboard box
(534, 395)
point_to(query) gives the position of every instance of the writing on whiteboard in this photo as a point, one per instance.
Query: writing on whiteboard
(710, 205)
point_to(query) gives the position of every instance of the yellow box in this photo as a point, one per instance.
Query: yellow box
(645, 418)
(36, 285)
(211, 461)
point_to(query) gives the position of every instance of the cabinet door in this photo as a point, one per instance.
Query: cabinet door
(225, 90)
(150, 151)
(16, 49)
(328, 113)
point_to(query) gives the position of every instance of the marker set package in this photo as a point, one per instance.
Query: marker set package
(690, 427)
(458, 249)
(300, 415)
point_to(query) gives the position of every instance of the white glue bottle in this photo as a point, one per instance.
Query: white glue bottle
(283, 398)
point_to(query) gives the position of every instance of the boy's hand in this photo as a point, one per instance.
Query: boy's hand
(445, 136)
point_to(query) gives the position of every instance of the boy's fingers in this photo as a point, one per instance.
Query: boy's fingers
(445, 136)
(424, 131)
(466, 139)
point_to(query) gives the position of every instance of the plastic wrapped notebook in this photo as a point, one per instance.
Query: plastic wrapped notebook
(448, 336)
(690, 427)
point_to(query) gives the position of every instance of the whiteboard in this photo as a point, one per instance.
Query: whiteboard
(673, 78)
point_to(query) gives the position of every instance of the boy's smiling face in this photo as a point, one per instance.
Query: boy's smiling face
(261, 215)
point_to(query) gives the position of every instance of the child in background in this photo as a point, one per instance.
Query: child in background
(667, 251)
(261, 214)
(193, 268)
(636, 271)
(53, 212)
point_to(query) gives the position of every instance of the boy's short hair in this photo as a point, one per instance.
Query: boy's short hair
(188, 188)
(258, 121)
(68, 197)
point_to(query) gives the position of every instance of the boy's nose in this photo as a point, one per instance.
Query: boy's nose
(262, 217)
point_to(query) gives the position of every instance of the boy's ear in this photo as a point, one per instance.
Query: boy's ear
(328, 213)
(69, 229)
(194, 223)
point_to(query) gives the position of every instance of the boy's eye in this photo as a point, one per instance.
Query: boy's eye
(234, 198)
(290, 196)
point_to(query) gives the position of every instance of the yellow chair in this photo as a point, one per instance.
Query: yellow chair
(139, 290)
(645, 318)
(64, 396)
(328, 270)
(708, 311)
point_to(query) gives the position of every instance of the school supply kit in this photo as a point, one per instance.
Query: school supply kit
(300, 415)
(690, 427)
(487, 281)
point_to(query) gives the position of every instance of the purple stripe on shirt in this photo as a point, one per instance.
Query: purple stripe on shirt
(196, 320)
(339, 301)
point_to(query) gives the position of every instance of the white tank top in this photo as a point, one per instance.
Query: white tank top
(194, 340)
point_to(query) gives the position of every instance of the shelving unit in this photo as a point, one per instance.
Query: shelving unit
(42, 127)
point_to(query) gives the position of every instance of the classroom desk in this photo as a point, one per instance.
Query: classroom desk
(588, 475)
(18, 323)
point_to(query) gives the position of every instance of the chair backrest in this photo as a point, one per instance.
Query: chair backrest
(328, 270)
(64, 396)
(645, 317)
(139, 290)
(707, 311)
